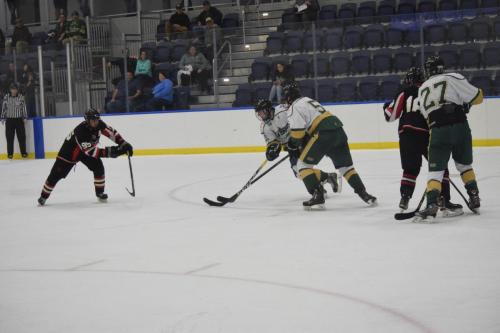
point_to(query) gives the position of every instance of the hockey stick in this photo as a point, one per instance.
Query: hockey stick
(409, 215)
(131, 177)
(223, 200)
(463, 197)
(251, 182)
(219, 204)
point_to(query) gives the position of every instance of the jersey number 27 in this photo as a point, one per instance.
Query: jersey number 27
(427, 91)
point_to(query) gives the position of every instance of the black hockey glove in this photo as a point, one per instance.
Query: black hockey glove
(273, 150)
(113, 152)
(126, 148)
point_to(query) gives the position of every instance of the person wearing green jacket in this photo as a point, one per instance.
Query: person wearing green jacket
(143, 65)
(194, 67)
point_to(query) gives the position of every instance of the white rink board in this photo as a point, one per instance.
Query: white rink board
(364, 124)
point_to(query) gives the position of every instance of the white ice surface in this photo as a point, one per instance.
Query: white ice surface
(166, 262)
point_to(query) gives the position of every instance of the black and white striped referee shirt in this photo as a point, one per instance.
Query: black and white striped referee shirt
(14, 107)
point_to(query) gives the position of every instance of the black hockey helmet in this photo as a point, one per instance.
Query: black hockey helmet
(92, 114)
(266, 106)
(414, 77)
(291, 92)
(434, 65)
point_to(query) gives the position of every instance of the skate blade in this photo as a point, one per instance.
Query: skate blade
(446, 213)
(372, 203)
(314, 208)
(102, 200)
(427, 220)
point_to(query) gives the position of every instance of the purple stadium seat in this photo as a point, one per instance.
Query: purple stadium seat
(347, 12)
(450, 56)
(274, 43)
(374, 36)
(491, 54)
(322, 64)
(457, 32)
(333, 39)
(360, 62)
(403, 59)
(496, 27)
(307, 88)
(469, 4)
(261, 68)
(435, 33)
(300, 65)
(389, 86)
(346, 89)
(446, 5)
(340, 63)
(179, 48)
(326, 90)
(327, 15)
(426, 6)
(309, 39)
(162, 53)
(366, 12)
(353, 37)
(244, 95)
(412, 37)
(470, 56)
(394, 36)
(293, 42)
(289, 19)
(368, 89)
(382, 61)
(479, 28)
(482, 79)
(261, 90)
(407, 6)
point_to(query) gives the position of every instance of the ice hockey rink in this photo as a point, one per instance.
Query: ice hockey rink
(166, 262)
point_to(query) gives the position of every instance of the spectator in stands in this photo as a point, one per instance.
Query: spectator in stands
(119, 97)
(194, 67)
(13, 8)
(10, 76)
(163, 93)
(209, 11)
(178, 23)
(307, 12)
(2, 43)
(211, 29)
(143, 65)
(61, 6)
(27, 81)
(58, 34)
(281, 76)
(76, 30)
(21, 38)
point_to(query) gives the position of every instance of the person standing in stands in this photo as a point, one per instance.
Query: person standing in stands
(77, 30)
(209, 11)
(21, 38)
(14, 115)
(307, 12)
(178, 23)
(163, 93)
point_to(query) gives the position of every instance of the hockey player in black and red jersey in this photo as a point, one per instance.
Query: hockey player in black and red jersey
(414, 140)
(81, 146)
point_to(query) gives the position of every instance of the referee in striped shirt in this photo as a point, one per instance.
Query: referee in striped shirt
(14, 115)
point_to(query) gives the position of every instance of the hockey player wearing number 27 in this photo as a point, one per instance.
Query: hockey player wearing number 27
(445, 100)
(81, 146)
(327, 137)
(414, 140)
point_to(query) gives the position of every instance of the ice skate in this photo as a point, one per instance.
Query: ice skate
(333, 181)
(368, 198)
(403, 203)
(427, 215)
(474, 200)
(41, 201)
(102, 197)
(449, 209)
(317, 201)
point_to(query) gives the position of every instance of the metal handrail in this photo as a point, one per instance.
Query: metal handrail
(216, 69)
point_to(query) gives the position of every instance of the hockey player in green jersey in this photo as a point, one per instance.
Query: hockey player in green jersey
(275, 129)
(445, 99)
(327, 137)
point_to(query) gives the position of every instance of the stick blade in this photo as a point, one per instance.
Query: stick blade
(226, 200)
(213, 203)
(404, 216)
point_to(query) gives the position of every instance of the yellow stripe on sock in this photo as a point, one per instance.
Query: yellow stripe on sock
(433, 185)
(349, 174)
(305, 173)
(468, 176)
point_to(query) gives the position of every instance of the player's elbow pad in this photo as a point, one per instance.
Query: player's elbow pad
(479, 98)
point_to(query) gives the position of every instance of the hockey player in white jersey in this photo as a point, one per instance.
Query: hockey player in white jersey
(275, 129)
(327, 137)
(445, 99)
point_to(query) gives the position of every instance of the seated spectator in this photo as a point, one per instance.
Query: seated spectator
(209, 11)
(119, 97)
(58, 34)
(27, 81)
(163, 93)
(76, 30)
(2, 43)
(280, 77)
(307, 12)
(21, 38)
(143, 65)
(178, 23)
(194, 67)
